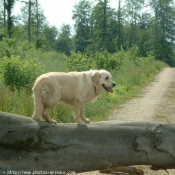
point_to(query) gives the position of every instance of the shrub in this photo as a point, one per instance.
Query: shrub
(9, 47)
(108, 61)
(19, 74)
(79, 62)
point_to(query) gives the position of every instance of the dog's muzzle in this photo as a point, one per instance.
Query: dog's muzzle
(109, 89)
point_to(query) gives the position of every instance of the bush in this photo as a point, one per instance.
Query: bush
(79, 62)
(9, 47)
(108, 61)
(19, 74)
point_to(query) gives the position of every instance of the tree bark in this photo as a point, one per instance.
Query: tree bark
(29, 145)
(4, 13)
(29, 21)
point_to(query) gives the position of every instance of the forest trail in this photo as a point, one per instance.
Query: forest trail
(155, 103)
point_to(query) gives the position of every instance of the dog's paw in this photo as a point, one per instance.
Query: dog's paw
(86, 120)
(81, 123)
(37, 118)
(52, 121)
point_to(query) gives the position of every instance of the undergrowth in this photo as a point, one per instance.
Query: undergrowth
(130, 71)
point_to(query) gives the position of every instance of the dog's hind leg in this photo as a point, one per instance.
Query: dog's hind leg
(46, 116)
(39, 106)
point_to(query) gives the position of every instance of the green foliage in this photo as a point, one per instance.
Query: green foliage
(19, 74)
(63, 113)
(100, 31)
(17, 102)
(127, 59)
(163, 30)
(98, 27)
(50, 34)
(82, 17)
(9, 5)
(64, 43)
(104, 26)
(53, 61)
(108, 61)
(130, 71)
(9, 47)
(79, 62)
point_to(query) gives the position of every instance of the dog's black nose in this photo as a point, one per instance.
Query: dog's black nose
(113, 84)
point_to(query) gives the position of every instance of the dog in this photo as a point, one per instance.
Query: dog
(73, 88)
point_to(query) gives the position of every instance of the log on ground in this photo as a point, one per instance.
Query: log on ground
(30, 145)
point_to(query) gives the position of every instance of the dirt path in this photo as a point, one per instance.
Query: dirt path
(156, 103)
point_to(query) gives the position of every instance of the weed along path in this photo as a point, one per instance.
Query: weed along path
(155, 103)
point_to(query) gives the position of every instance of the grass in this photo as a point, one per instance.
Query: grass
(54, 62)
(129, 79)
(15, 102)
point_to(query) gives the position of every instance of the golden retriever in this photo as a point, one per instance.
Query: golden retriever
(74, 88)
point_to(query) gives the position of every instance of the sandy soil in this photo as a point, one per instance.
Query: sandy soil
(156, 103)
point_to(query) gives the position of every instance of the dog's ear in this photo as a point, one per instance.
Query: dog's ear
(96, 76)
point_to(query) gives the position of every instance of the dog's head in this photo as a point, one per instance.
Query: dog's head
(103, 80)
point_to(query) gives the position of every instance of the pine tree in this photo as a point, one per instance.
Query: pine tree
(82, 15)
(9, 5)
(164, 24)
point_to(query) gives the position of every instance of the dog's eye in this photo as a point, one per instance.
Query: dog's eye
(107, 78)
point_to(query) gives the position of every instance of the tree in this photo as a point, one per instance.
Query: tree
(133, 9)
(145, 41)
(104, 23)
(36, 20)
(47, 38)
(3, 14)
(104, 26)
(26, 14)
(29, 21)
(100, 18)
(82, 17)
(119, 27)
(9, 5)
(64, 42)
(97, 146)
(163, 29)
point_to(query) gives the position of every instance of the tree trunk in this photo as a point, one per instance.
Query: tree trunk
(29, 21)
(119, 37)
(37, 19)
(9, 6)
(4, 13)
(104, 25)
(29, 145)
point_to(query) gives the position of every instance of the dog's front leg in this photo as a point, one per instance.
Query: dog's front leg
(86, 120)
(78, 110)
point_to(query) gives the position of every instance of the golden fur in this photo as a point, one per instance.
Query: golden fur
(74, 88)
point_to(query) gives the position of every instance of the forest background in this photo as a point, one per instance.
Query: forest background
(131, 42)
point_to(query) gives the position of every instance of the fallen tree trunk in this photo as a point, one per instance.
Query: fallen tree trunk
(29, 145)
